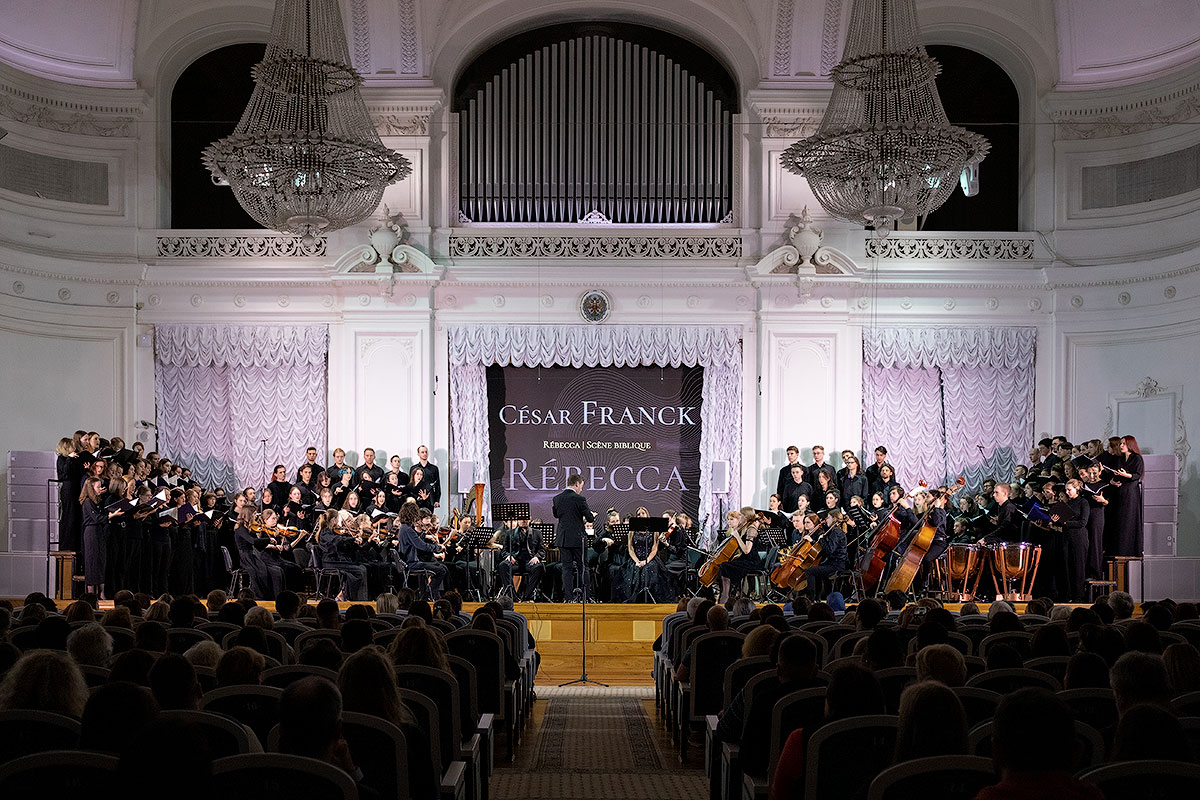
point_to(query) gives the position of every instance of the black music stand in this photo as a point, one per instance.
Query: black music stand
(477, 539)
(508, 512)
(545, 532)
(777, 538)
(655, 525)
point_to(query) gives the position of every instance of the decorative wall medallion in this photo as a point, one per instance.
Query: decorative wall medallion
(1076, 302)
(239, 300)
(18, 287)
(1169, 292)
(826, 301)
(408, 300)
(993, 303)
(327, 300)
(1123, 298)
(64, 294)
(364, 300)
(547, 301)
(949, 304)
(153, 299)
(498, 301)
(196, 300)
(643, 301)
(906, 303)
(781, 301)
(113, 298)
(595, 305)
(742, 301)
(449, 301)
(1035, 304)
(284, 301)
(693, 301)
(863, 302)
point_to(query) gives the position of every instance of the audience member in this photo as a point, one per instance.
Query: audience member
(287, 603)
(328, 616)
(943, 663)
(52, 633)
(132, 666)
(115, 714)
(239, 666)
(44, 680)
(1004, 656)
(90, 645)
(1049, 640)
(321, 653)
(356, 634)
(883, 650)
(419, 646)
(182, 612)
(932, 722)
(174, 684)
(1148, 732)
(1122, 605)
(1086, 671)
(259, 617)
(1139, 678)
(1033, 747)
(1183, 668)
(204, 654)
(758, 641)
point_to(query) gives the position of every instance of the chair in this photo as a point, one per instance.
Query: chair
(1096, 707)
(711, 654)
(975, 666)
(975, 633)
(24, 733)
(224, 736)
(277, 646)
(472, 720)
(745, 626)
(892, 681)
(258, 775)
(1090, 751)
(1191, 729)
(980, 704)
(1187, 704)
(24, 638)
(457, 743)
(829, 774)
(485, 651)
(451, 775)
(1022, 641)
(837, 663)
(1189, 631)
(60, 773)
(845, 644)
(94, 676)
(1009, 680)
(237, 576)
(319, 633)
(1055, 666)
(207, 676)
(380, 750)
(384, 638)
(254, 706)
(831, 634)
(282, 676)
(180, 639)
(802, 710)
(943, 777)
(740, 671)
(1148, 780)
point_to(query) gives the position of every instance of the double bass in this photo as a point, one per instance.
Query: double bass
(918, 547)
(874, 559)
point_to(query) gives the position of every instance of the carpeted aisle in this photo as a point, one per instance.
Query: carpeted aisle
(596, 748)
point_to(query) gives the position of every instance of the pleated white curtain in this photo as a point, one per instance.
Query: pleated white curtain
(949, 401)
(717, 349)
(221, 390)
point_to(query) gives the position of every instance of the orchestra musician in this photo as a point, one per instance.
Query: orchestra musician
(925, 508)
(417, 546)
(337, 551)
(744, 530)
(522, 553)
(833, 549)
(673, 555)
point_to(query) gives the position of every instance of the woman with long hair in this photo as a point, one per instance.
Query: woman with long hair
(70, 469)
(1123, 529)
(95, 534)
(747, 560)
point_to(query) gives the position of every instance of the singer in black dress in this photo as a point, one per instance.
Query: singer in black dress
(1128, 468)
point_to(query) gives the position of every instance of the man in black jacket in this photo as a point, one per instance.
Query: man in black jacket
(572, 512)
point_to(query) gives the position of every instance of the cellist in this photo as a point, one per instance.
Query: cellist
(924, 508)
(747, 560)
(833, 548)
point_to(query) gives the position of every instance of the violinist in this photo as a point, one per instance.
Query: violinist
(673, 553)
(281, 571)
(747, 560)
(337, 551)
(416, 548)
(458, 561)
(833, 548)
(249, 545)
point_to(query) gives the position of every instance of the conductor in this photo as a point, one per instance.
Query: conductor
(572, 512)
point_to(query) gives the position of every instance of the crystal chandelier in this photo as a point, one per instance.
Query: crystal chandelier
(305, 158)
(884, 150)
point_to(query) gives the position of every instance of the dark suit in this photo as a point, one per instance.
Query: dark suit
(572, 512)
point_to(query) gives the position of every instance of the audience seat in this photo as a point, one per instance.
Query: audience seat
(277, 646)
(1187, 705)
(452, 774)
(711, 654)
(831, 773)
(980, 704)
(218, 630)
(892, 681)
(224, 736)
(180, 639)
(319, 633)
(264, 775)
(283, 676)
(468, 706)
(846, 643)
(1021, 641)
(485, 651)
(380, 750)
(941, 777)
(1149, 780)
(254, 706)
(1090, 752)
(24, 733)
(1054, 666)
(1008, 680)
(94, 676)
(60, 774)
(456, 744)
(1096, 707)
(384, 638)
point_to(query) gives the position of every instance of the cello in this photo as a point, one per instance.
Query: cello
(803, 554)
(873, 561)
(707, 575)
(918, 547)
